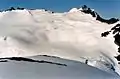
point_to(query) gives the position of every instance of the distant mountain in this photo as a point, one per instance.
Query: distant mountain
(85, 9)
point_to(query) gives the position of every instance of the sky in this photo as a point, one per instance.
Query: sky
(106, 8)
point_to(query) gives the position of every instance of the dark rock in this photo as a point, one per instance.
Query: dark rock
(117, 39)
(109, 21)
(87, 10)
(86, 61)
(105, 34)
(31, 60)
(118, 57)
(118, 25)
(84, 7)
(20, 8)
(116, 31)
(12, 8)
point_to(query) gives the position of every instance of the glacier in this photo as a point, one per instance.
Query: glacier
(72, 35)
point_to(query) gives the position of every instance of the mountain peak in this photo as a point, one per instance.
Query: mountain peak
(13, 8)
(88, 10)
(85, 9)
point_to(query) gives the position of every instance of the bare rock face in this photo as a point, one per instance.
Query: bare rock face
(88, 10)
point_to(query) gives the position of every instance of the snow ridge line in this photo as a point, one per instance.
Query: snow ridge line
(31, 60)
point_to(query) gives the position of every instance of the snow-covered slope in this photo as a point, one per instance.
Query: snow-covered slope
(71, 35)
(43, 67)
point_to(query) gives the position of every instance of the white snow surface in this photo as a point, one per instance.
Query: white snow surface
(33, 70)
(71, 35)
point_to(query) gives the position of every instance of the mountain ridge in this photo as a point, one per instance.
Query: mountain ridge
(83, 9)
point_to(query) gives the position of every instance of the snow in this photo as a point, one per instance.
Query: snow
(74, 10)
(70, 35)
(32, 70)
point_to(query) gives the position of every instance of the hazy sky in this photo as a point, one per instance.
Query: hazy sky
(107, 8)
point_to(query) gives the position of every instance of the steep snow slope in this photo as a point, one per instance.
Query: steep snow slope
(35, 68)
(71, 35)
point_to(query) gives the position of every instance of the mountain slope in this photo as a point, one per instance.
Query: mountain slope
(72, 35)
(13, 68)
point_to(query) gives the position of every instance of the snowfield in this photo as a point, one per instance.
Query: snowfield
(72, 35)
(16, 69)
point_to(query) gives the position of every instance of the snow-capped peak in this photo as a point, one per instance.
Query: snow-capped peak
(74, 10)
(93, 13)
